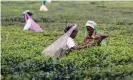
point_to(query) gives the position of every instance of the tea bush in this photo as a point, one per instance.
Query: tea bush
(21, 57)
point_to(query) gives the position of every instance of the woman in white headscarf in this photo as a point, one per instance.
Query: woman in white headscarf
(92, 35)
(64, 43)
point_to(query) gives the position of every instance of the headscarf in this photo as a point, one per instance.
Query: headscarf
(26, 16)
(56, 49)
(92, 24)
(34, 26)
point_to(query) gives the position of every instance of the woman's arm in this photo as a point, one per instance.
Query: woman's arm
(101, 36)
(77, 47)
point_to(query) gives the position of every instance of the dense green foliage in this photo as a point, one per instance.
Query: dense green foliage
(21, 57)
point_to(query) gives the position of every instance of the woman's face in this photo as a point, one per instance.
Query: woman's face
(90, 30)
(74, 33)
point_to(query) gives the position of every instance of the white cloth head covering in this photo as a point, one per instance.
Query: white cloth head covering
(56, 49)
(90, 23)
(34, 26)
(93, 25)
(26, 11)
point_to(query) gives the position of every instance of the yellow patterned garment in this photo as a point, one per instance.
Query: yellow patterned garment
(94, 41)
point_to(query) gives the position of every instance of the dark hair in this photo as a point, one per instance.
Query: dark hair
(29, 13)
(67, 28)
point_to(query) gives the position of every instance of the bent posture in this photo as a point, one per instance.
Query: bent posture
(65, 43)
(92, 35)
(70, 42)
(30, 23)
